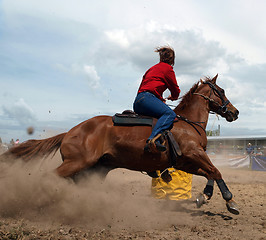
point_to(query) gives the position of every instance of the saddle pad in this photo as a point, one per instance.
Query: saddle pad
(131, 119)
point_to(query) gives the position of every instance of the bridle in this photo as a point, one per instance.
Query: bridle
(222, 108)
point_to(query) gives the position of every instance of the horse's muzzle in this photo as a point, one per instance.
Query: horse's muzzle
(232, 116)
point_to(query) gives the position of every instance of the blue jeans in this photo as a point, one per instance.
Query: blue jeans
(148, 104)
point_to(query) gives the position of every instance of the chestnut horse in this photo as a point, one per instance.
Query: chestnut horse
(99, 145)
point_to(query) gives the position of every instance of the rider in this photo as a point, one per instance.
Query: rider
(149, 100)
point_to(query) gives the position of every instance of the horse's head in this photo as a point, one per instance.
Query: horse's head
(218, 102)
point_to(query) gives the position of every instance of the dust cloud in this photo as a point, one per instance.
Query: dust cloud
(35, 203)
(32, 191)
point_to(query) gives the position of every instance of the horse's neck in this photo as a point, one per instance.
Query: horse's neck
(196, 111)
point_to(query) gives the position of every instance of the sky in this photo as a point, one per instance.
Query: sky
(65, 61)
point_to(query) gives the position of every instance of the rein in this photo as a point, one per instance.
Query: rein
(191, 123)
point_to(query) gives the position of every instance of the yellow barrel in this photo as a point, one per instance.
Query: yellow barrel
(178, 188)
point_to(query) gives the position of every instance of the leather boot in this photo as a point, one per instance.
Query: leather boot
(154, 146)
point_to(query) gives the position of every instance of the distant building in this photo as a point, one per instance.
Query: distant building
(235, 151)
(236, 144)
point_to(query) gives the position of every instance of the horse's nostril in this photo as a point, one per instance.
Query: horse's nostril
(236, 112)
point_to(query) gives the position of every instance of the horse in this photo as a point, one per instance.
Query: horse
(96, 144)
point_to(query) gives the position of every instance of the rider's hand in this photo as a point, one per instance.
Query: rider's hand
(170, 98)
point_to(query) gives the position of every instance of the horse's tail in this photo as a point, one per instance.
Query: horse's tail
(36, 148)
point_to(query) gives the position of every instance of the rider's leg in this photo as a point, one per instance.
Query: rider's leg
(148, 104)
(165, 122)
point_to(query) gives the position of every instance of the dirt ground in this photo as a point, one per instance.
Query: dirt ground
(35, 204)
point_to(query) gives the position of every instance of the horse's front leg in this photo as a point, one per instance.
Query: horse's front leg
(207, 169)
(202, 198)
(228, 197)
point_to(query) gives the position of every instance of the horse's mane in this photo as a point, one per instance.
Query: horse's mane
(187, 97)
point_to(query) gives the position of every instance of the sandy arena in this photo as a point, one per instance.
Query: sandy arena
(35, 204)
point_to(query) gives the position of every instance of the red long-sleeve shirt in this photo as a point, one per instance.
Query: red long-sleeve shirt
(158, 78)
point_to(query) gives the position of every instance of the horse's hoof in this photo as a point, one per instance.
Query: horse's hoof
(166, 176)
(232, 207)
(153, 174)
(200, 200)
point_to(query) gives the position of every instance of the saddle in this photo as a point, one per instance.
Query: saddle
(130, 118)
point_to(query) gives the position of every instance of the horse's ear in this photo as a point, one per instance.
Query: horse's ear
(201, 81)
(215, 78)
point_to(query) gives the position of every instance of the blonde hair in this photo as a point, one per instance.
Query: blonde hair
(167, 54)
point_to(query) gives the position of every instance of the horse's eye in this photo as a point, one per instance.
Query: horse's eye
(222, 91)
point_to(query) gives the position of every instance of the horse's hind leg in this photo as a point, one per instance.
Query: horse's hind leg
(100, 172)
(76, 158)
(70, 167)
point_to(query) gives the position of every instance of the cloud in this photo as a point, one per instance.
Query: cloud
(246, 84)
(194, 54)
(20, 111)
(53, 53)
(85, 71)
(195, 57)
(119, 37)
(92, 76)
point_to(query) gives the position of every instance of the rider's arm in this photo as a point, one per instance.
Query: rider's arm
(172, 85)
